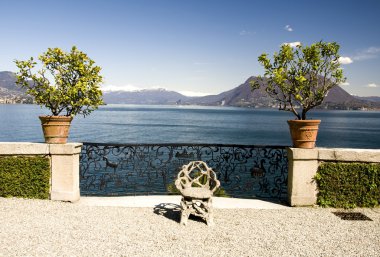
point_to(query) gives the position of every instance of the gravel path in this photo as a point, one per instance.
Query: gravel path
(46, 228)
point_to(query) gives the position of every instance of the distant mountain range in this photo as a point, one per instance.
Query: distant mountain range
(370, 98)
(145, 96)
(240, 96)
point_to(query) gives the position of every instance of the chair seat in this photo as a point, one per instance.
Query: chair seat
(197, 192)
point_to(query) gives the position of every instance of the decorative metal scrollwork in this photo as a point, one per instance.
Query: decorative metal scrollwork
(127, 169)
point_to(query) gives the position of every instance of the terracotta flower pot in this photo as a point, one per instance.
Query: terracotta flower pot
(56, 128)
(304, 132)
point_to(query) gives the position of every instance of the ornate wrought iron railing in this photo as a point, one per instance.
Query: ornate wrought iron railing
(143, 169)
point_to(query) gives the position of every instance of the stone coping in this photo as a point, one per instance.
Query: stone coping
(27, 148)
(335, 154)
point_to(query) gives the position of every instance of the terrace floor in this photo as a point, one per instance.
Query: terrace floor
(47, 228)
(152, 201)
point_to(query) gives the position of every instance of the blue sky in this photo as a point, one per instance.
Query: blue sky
(207, 46)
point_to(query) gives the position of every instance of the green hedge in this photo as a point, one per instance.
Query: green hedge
(27, 177)
(348, 185)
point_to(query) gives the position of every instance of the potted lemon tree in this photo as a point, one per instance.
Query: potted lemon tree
(67, 83)
(298, 79)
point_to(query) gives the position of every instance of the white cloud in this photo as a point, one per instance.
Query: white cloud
(129, 88)
(344, 84)
(345, 60)
(293, 44)
(113, 88)
(288, 28)
(369, 53)
(200, 63)
(372, 85)
(373, 50)
(192, 93)
(132, 88)
(246, 32)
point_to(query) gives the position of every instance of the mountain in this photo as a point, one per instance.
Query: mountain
(238, 96)
(146, 96)
(369, 98)
(338, 98)
(242, 96)
(8, 81)
(9, 91)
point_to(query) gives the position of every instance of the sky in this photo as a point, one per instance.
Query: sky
(193, 47)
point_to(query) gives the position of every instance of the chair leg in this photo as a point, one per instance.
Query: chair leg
(201, 208)
(210, 213)
(185, 212)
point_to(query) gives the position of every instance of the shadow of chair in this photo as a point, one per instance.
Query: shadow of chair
(168, 210)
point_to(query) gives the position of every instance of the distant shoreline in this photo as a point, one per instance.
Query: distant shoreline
(364, 109)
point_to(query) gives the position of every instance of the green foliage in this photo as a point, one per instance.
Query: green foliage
(76, 81)
(172, 189)
(221, 192)
(348, 185)
(27, 177)
(301, 76)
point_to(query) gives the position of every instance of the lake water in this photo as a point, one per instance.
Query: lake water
(194, 124)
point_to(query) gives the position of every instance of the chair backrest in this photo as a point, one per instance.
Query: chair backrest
(197, 174)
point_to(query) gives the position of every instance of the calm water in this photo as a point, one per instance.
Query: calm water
(173, 124)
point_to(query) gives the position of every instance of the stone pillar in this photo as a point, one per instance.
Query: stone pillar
(303, 166)
(64, 165)
(65, 172)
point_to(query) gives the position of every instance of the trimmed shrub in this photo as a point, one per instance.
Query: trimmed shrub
(26, 177)
(348, 185)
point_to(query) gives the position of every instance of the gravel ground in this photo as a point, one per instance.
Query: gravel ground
(46, 228)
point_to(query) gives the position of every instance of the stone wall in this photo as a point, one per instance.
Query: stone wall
(64, 165)
(304, 163)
